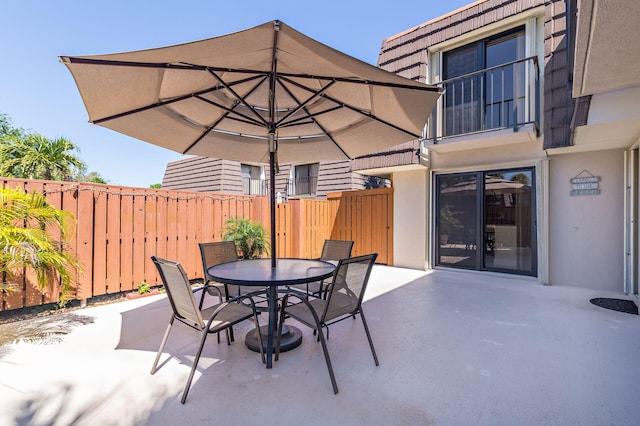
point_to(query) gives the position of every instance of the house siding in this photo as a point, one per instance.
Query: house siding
(203, 174)
(405, 54)
(225, 176)
(336, 176)
(559, 104)
(405, 154)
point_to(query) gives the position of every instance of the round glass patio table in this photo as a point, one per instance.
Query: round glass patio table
(260, 273)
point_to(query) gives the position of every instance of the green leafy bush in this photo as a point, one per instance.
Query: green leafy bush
(250, 238)
(27, 224)
(144, 288)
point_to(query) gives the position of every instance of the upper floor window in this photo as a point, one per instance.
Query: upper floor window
(253, 182)
(305, 179)
(485, 84)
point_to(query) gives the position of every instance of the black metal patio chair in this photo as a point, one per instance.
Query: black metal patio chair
(332, 250)
(344, 300)
(212, 319)
(215, 253)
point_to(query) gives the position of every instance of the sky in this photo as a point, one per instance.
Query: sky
(37, 92)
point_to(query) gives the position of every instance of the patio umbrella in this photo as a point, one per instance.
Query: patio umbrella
(261, 95)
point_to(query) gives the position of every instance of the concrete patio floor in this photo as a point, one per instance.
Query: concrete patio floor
(455, 348)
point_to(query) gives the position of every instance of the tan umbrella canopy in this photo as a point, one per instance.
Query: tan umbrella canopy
(251, 96)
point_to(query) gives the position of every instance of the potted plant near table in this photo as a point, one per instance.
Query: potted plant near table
(250, 238)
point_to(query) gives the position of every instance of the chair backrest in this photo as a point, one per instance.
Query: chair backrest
(216, 253)
(349, 284)
(336, 249)
(179, 291)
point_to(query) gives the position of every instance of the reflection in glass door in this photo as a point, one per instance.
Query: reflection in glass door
(457, 220)
(508, 224)
(502, 208)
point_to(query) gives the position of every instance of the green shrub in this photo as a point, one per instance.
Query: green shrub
(250, 238)
(144, 288)
(27, 225)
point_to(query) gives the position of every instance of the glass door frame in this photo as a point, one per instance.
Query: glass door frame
(481, 219)
(631, 213)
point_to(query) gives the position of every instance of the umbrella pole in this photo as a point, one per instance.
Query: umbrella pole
(272, 202)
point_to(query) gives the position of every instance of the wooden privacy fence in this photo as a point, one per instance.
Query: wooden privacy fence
(119, 228)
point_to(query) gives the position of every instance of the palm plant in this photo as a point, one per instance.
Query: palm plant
(33, 156)
(250, 238)
(27, 222)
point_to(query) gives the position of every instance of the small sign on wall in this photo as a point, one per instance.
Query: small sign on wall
(585, 184)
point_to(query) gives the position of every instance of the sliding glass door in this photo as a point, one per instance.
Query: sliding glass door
(486, 221)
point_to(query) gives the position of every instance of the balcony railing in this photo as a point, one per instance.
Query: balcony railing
(505, 96)
(292, 187)
(302, 186)
(254, 186)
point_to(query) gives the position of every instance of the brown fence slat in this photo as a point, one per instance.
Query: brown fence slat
(70, 204)
(126, 242)
(150, 237)
(192, 261)
(33, 294)
(100, 243)
(162, 205)
(53, 194)
(84, 241)
(114, 217)
(138, 229)
(172, 226)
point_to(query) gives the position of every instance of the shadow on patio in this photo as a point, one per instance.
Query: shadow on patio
(454, 348)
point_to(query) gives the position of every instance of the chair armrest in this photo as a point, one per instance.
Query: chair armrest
(197, 289)
(205, 287)
(294, 292)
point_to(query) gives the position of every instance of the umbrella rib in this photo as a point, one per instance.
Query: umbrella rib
(423, 87)
(354, 109)
(273, 75)
(186, 66)
(237, 96)
(110, 62)
(242, 100)
(164, 65)
(301, 106)
(229, 110)
(167, 102)
(309, 116)
(144, 108)
(286, 89)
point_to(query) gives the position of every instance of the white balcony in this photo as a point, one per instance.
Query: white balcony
(491, 107)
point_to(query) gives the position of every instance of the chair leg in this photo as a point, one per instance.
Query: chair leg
(164, 341)
(328, 360)
(279, 329)
(255, 318)
(366, 329)
(322, 341)
(194, 366)
(202, 298)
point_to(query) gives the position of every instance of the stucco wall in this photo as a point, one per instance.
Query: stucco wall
(409, 221)
(586, 232)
